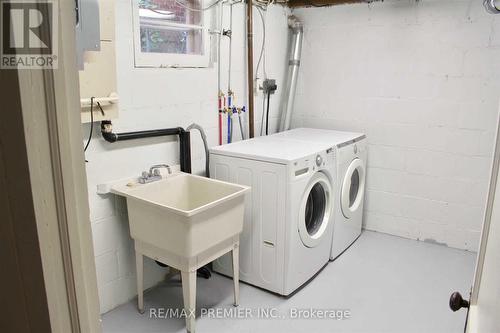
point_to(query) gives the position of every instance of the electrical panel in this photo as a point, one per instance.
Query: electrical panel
(98, 73)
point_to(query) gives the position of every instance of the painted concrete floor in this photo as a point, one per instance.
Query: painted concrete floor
(387, 283)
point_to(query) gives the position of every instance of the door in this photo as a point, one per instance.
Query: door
(315, 210)
(353, 188)
(485, 298)
(484, 305)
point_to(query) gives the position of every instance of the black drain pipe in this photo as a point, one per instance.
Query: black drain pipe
(184, 152)
(184, 139)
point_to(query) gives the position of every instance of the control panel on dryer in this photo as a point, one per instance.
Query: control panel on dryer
(351, 149)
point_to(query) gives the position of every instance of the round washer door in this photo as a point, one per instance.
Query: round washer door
(353, 188)
(315, 210)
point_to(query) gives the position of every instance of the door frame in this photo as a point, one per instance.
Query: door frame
(46, 113)
(471, 322)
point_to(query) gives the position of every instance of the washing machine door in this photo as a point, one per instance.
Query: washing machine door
(353, 188)
(315, 210)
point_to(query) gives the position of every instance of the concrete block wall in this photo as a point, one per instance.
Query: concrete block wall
(157, 98)
(422, 80)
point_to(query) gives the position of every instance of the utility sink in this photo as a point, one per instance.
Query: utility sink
(183, 213)
(184, 221)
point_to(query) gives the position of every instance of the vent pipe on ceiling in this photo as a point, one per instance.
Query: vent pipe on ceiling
(293, 70)
(491, 6)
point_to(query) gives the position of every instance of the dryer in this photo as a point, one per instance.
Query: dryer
(351, 155)
(287, 229)
(351, 164)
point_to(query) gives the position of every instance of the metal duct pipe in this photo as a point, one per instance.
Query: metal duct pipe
(293, 71)
(491, 7)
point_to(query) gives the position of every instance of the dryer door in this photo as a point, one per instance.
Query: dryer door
(315, 210)
(353, 188)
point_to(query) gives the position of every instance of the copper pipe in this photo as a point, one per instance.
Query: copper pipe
(250, 68)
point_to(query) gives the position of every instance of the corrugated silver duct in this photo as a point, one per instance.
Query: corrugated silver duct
(491, 6)
(293, 70)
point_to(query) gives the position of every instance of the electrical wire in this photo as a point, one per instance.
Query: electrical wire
(229, 66)
(91, 123)
(263, 115)
(262, 59)
(263, 45)
(219, 90)
(261, 7)
(198, 9)
(221, 16)
(267, 113)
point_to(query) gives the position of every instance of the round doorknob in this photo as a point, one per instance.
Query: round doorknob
(457, 302)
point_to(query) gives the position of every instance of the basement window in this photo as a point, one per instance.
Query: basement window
(170, 33)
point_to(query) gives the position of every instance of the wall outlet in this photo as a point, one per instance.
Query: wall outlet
(257, 86)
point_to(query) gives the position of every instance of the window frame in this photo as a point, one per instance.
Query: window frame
(170, 60)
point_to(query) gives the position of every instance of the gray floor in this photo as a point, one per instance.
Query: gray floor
(388, 284)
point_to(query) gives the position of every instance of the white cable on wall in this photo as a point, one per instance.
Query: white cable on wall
(262, 56)
(198, 9)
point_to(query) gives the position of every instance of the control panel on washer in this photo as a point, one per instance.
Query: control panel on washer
(321, 160)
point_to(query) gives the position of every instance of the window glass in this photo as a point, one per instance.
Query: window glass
(168, 27)
(315, 209)
(163, 11)
(353, 190)
(165, 40)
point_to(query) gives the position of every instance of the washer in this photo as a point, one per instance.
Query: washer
(351, 155)
(287, 231)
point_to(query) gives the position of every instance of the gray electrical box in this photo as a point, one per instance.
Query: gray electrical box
(269, 86)
(88, 35)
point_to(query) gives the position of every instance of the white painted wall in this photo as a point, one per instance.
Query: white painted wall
(422, 80)
(159, 98)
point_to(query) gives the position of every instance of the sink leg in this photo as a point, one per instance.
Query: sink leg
(189, 294)
(140, 275)
(236, 274)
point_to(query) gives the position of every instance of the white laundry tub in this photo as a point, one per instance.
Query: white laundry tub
(184, 221)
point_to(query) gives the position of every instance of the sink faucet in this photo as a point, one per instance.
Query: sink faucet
(153, 169)
(153, 174)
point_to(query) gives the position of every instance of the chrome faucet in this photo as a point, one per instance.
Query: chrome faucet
(153, 174)
(154, 168)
